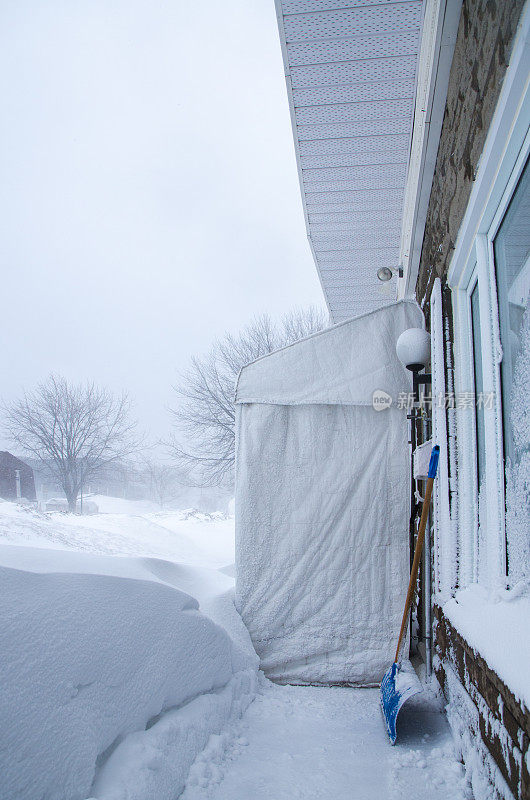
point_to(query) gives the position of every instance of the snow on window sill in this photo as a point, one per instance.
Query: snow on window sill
(496, 625)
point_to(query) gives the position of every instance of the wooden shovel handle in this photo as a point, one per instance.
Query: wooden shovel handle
(419, 547)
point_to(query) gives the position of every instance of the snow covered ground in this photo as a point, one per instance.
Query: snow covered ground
(128, 675)
(129, 528)
(314, 743)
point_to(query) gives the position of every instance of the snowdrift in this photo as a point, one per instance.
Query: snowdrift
(110, 670)
(322, 501)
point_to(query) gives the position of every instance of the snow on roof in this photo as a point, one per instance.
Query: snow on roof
(343, 365)
(351, 80)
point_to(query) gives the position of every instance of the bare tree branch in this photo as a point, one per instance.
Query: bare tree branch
(204, 437)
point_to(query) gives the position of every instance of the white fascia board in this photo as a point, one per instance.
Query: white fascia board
(440, 28)
(283, 44)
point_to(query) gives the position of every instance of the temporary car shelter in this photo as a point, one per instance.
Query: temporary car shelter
(322, 500)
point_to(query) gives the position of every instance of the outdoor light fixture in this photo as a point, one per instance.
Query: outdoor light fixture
(413, 349)
(385, 274)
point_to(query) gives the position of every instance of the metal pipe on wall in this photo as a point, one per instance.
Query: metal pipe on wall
(427, 579)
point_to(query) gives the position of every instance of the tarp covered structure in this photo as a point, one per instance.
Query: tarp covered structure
(322, 501)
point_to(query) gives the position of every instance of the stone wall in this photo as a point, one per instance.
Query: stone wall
(482, 51)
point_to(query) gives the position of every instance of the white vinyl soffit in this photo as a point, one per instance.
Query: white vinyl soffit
(351, 78)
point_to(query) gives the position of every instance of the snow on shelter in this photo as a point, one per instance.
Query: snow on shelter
(322, 501)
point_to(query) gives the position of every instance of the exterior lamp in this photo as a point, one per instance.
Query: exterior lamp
(385, 273)
(413, 349)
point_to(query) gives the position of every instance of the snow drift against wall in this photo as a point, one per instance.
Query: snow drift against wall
(102, 657)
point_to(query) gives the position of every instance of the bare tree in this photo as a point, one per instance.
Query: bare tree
(163, 482)
(299, 323)
(205, 416)
(74, 430)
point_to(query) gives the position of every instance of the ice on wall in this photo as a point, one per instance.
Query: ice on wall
(482, 535)
(518, 473)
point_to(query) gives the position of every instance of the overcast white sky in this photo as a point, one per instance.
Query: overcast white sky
(148, 191)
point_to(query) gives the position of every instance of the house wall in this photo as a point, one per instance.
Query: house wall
(482, 52)
(499, 724)
(8, 485)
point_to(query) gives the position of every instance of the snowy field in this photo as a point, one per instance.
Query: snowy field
(128, 675)
(125, 528)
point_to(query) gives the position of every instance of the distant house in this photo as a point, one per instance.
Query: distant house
(16, 478)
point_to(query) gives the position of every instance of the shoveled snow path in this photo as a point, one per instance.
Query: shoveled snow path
(328, 744)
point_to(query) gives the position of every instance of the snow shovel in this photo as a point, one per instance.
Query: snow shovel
(401, 682)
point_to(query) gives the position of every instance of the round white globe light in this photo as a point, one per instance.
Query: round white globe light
(413, 349)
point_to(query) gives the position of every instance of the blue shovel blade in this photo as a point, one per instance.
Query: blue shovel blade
(398, 684)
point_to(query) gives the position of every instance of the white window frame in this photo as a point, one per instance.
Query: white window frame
(505, 153)
(444, 561)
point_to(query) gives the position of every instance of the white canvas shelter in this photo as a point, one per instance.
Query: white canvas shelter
(322, 501)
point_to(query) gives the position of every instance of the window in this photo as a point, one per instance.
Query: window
(512, 271)
(512, 267)
(489, 276)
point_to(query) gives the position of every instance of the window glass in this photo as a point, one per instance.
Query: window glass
(512, 267)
